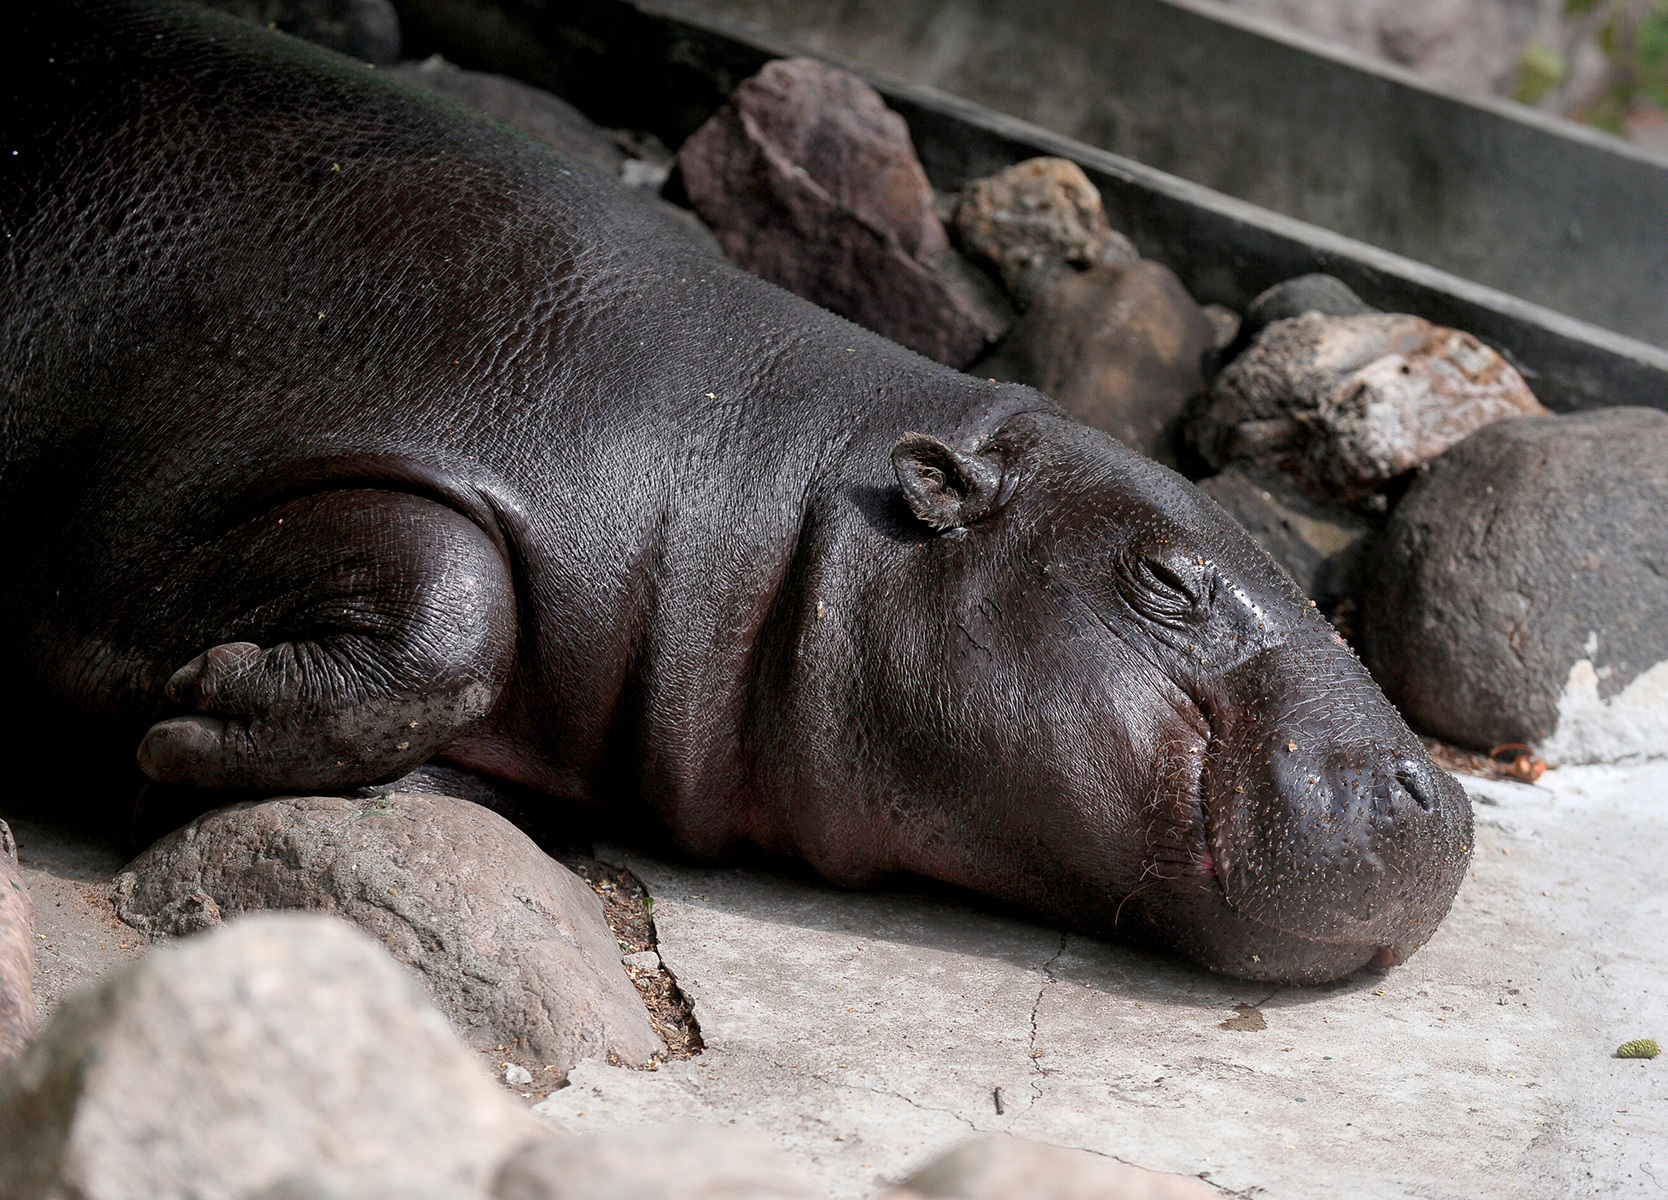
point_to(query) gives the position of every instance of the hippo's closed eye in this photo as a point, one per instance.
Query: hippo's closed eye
(1163, 591)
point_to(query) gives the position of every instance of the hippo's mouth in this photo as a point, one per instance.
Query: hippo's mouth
(1238, 873)
(1210, 867)
(1180, 846)
(1188, 865)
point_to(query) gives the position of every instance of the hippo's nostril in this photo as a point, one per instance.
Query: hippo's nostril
(1416, 781)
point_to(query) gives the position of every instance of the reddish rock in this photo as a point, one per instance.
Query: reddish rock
(811, 182)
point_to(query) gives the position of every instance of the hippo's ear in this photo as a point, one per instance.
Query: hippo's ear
(946, 488)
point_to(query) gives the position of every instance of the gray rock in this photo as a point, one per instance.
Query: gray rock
(1035, 222)
(976, 292)
(512, 945)
(220, 1065)
(1119, 347)
(532, 110)
(656, 1163)
(1010, 1168)
(1324, 547)
(1307, 293)
(17, 951)
(365, 29)
(1521, 590)
(1347, 404)
(811, 182)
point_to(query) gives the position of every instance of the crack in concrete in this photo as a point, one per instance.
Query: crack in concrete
(881, 1091)
(1036, 1006)
(927, 1108)
(1036, 1084)
(1221, 1187)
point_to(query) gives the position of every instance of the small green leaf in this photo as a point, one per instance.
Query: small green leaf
(1539, 71)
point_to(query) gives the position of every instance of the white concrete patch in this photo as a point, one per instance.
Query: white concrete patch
(868, 1032)
(1630, 726)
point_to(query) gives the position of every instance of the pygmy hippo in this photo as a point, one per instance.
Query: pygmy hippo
(344, 432)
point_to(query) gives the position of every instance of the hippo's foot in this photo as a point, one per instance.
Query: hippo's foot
(396, 630)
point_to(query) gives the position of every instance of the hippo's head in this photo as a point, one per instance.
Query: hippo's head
(1093, 695)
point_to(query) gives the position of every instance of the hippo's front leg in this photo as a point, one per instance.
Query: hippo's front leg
(346, 636)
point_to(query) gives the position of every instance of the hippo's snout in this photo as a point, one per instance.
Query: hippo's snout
(1336, 841)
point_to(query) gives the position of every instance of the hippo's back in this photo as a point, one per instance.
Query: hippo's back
(200, 211)
(232, 257)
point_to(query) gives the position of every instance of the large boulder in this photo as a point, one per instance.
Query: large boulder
(365, 29)
(1036, 222)
(512, 945)
(811, 182)
(17, 951)
(659, 1163)
(224, 1064)
(1348, 404)
(1119, 347)
(1520, 593)
(1010, 1168)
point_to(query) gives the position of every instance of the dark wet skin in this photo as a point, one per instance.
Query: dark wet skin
(343, 433)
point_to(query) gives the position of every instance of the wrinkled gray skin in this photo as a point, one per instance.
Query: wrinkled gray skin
(344, 433)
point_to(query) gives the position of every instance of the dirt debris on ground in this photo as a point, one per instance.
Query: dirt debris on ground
(1515, 763)
(630, 912)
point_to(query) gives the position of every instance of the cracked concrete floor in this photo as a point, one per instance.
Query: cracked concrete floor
(868, 1032)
